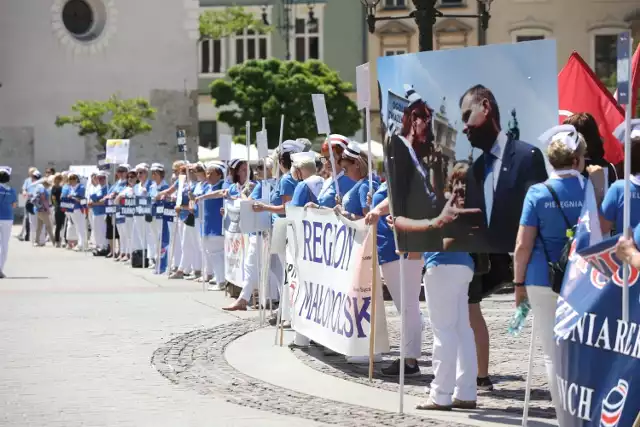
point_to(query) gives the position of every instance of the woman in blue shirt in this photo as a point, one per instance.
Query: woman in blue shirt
(157, 186)
(327, 197)
(543, 233)
(213, 237)
(125, 222)
(8, 202)
(240, 175)
(287, 183)
(613, 204)
(97, 206)
(355, 163)
(626, 249)
(78, 216)
(309, 183)
(389, 262)
(191, 260)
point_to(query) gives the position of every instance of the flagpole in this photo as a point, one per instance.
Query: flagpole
(627, 183)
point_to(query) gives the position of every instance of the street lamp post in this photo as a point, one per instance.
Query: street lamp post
(425, 14)
(285, 26)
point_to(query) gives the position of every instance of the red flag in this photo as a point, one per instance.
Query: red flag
(580, 90)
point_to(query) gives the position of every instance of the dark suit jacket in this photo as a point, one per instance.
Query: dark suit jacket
(522, 166)
(409, 197)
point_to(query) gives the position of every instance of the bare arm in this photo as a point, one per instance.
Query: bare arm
(524, 246)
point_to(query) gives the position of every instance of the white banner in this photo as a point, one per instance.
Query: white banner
(234, 245)
(332, 304)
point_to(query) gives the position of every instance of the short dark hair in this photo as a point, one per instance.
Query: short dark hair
(586, 125)
(285, 159)
(4, 177)
(635, 155)
(480, 92)
(51, 171)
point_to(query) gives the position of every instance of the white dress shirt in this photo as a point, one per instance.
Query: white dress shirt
(491, 181)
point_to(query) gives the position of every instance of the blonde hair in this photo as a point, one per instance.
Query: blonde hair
(458, 173)
(307, 165)
(363, 162)
(562, 157)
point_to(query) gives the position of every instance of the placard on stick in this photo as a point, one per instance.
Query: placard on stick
(117, 151)
(320, 110)
(363, 84)
(262, 143)
(224, 145)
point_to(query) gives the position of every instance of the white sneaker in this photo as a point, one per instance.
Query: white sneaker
(363, 360)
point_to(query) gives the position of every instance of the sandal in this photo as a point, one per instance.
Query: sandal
(430, 405)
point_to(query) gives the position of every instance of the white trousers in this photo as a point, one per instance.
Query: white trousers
(252, 265)
(5, 234)
(124, 231)
(214, 257)
(92, 226)
(154, 234)
(175, 231)
(99, 232)
(543, 304)
(413, 282)
(70, 228)
(446, 289)
(80, 225)
(139, 228)
(191, 257)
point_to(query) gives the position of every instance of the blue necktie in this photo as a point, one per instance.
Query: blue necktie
(489, 159)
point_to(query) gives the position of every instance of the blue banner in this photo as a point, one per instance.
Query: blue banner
(168, 217)
(120, 219)
(623, 77)
(128, 208)
(158, 209)
(143, 206)
(598, 354)
(110, 208)
(67, 204)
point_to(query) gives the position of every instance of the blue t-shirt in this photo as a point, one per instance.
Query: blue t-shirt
(41, 196)
(8, 197)
(636, 236)
(184, 199)
(386, 243)
(79, 193)
(200, 188)
(302, 195)
(355, 201)
(613, 203)
(434, 259)
(97, 194)
(115, 188)
(540, 211)
(327, 196)
(287, 186)
(212, 216)
(32, 190)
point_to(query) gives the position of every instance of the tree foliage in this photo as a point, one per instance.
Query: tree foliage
(218, 24)
(112, 119)
(269, 88)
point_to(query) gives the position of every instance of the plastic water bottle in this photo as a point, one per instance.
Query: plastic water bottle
(519, 318)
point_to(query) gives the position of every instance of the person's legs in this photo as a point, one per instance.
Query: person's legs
(481, 336)
(413, 327)
(543, 304)
(5, 234)
(250, 270)
(38, 230)
(33, 220)
(177, 230)
(80, 220)
(439, 284)
(100, 232)
(46, 219)
(59, 219)
(465, 394)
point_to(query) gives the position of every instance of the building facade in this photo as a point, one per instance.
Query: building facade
(589, 27)
(54, 53)
(332, 31)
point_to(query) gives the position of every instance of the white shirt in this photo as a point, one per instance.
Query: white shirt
(491, 181)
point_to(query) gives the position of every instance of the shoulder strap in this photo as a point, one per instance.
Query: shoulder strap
(557, 200)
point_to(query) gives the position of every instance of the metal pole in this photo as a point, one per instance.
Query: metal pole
(482, 33)
(627, 189)
(425, 15)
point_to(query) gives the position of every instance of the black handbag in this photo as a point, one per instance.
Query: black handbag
(557, 269)
(191, 220)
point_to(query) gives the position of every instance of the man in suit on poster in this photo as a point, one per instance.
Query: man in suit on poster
(498, 180)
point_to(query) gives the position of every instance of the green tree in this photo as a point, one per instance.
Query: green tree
(269, 88)
(218, 24)
(611, 83)
(112, 119)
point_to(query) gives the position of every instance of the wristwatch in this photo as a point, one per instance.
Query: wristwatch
(518, 284)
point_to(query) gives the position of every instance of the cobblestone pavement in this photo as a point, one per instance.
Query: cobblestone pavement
(508, 362)
(197, 360)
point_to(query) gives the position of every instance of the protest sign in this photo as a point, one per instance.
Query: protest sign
(590, 332)
(224, 153)
(429, 102)
(117, 151)
(234, 247)
(363, 86)
(333, 300)
(262, 144)
(101, 161)
(320, 110)
(251, 221)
